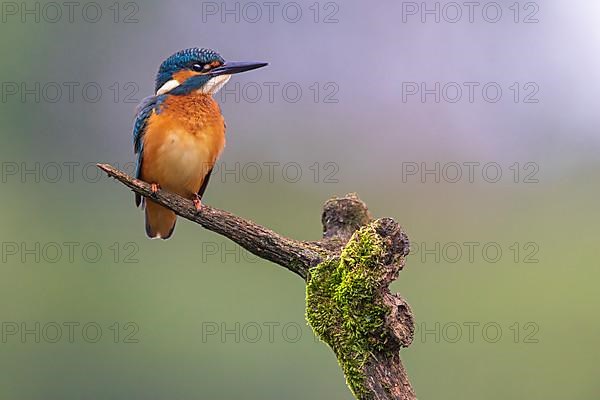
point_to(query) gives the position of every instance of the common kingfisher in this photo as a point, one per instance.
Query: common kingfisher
(179, 133)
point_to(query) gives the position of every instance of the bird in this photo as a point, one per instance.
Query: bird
(179, 132)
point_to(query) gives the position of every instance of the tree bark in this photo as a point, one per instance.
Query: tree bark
(382, 375)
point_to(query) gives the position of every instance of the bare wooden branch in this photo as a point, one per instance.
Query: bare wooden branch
(291, 254)
(381, 374)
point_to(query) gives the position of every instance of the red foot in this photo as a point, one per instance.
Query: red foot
(197, 203)
(154, 187)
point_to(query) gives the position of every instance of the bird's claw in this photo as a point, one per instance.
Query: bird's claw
(154, 188)
(197, 203)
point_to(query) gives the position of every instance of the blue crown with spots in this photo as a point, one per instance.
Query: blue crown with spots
(184, 59)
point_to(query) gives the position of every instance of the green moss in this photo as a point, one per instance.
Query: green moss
(343, 308)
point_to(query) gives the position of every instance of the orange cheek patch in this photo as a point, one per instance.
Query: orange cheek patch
(183, 76)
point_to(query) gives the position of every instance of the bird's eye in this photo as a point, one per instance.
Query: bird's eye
(198, 67)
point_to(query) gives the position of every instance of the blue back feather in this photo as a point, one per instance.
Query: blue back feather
(144, 111)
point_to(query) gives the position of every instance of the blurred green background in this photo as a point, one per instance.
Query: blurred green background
(197, 318)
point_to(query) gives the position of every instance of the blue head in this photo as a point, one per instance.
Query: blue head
(197, 70)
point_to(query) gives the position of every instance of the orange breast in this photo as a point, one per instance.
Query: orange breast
(182, 143)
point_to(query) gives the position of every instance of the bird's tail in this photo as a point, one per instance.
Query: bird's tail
(160, 221)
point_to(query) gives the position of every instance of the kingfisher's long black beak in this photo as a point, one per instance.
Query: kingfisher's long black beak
(230, 68)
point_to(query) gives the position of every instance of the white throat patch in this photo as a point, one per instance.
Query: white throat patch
(214, 84)
(211, 87)
(167, 87)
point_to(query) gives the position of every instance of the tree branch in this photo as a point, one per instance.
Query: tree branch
(348, 272)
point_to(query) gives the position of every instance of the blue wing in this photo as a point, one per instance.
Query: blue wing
(146, 108)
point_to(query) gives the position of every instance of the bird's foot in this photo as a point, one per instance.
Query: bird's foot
(197, 203)
(154, 188)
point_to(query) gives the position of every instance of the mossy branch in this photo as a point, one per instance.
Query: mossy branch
(347, 272)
